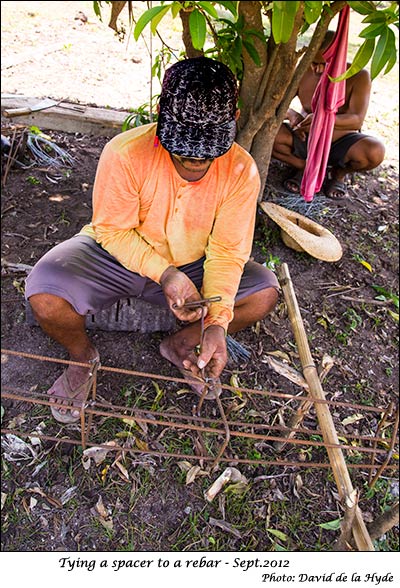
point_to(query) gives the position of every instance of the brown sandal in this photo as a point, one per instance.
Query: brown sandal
(68, 417)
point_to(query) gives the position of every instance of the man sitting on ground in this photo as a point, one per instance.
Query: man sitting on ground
(174, 207)
(350, 151)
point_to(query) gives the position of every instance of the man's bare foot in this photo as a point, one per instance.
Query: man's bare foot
(336, 188)
(74, 384)
(293, 182)
(177, 354)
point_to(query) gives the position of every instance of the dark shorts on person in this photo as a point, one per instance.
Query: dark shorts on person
(338, 151)
(80, 271)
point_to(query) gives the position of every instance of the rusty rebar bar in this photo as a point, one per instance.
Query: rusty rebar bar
(151, 419)
(24, 396)
(198, 423)
(381, 423)
(264, 393)
(208, 458)
(389, 454)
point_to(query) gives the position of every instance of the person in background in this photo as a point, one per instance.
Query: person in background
(351, 150)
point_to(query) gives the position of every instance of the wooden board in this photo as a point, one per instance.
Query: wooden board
(67, 117)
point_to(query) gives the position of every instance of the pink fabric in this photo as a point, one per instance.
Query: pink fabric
(327, 99)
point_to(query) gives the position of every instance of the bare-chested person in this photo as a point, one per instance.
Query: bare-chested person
(350, 151)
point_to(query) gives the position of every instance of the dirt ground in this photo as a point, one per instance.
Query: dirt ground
(52, 499)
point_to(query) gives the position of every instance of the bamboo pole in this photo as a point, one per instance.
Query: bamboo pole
(336, 458)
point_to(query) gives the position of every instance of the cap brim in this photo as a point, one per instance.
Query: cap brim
(195, 140)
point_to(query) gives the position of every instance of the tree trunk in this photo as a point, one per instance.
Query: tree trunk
(262, 148)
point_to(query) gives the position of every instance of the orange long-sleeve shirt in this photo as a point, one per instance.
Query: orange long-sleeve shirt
(148, 217)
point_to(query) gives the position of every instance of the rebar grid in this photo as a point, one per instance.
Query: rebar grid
(220, 427)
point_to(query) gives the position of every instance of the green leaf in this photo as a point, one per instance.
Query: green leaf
(331, 525)
(392, 61)
(146, 17)
(236, 52)
(283, 16)
(175, 8)
(255, 33)
(361, 59)
(278, 534)
(378, 16)
(238, 488)
(230, 6)
(278, 547)
(197, 27)
(312, 11)
(386, 295)
(35, 130)
(252, 51)
(208, 7)
(97, 11)
(385, 47)
(156, 20)
(362, 7)
(373, 30)
(159, 395)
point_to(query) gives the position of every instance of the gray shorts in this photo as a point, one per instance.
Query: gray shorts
(90, 279)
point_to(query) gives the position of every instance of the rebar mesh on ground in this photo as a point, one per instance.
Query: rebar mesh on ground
(264, 434)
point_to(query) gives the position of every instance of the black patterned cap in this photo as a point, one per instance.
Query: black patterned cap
(197, 108)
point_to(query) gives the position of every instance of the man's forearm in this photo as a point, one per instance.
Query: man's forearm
(348, 122)
(133, 252)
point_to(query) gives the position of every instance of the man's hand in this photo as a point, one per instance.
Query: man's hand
(178, 289)
(294, 117)
(213, 355)
(303, 127)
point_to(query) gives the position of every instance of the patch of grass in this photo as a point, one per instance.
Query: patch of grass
(63, 219)
(177, 442)
(381, 492)
(268, 236)
(352, 321)
(32, 180)
(190, 534)
(363, 393)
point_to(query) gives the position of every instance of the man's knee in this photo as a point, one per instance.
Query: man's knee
(369, 152)
(268, 299)
(376, 153)
(262, 303)
(48, 306)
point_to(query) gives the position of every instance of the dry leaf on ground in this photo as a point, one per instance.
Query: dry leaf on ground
(225, 527)
(287, 371)
(228, 475)
(98, 454)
